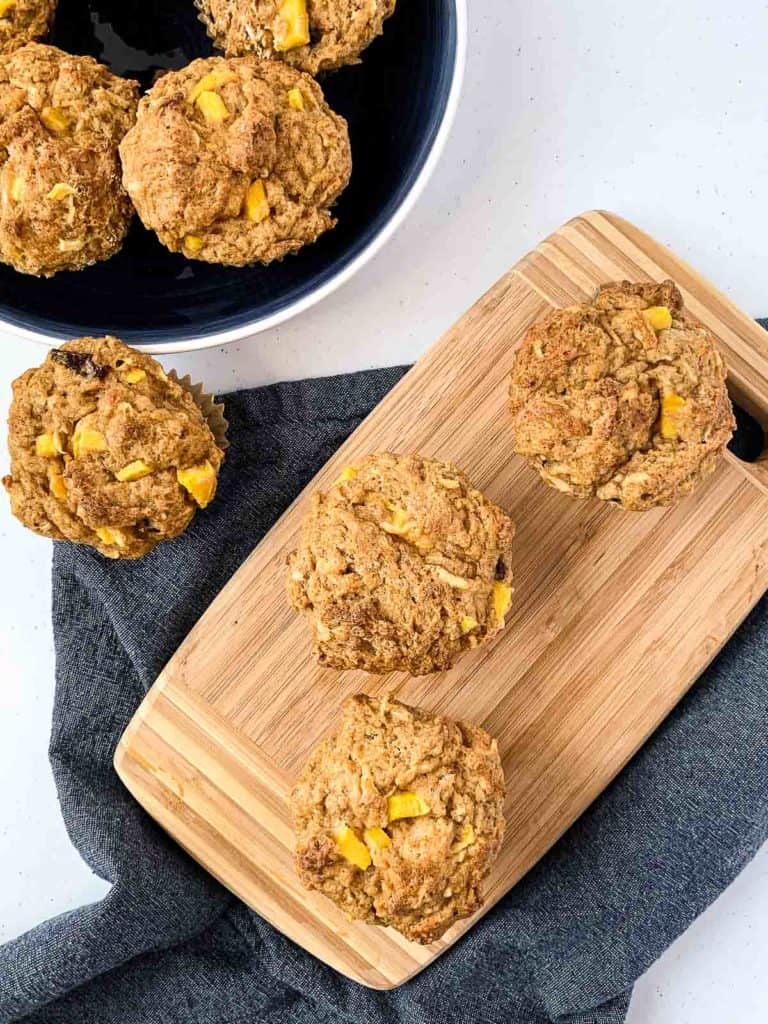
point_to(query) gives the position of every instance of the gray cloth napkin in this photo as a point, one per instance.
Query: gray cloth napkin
(168, 944)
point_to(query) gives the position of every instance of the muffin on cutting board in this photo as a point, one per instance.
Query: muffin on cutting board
(62, 204)
(399, 816)
(622, 398)
(236, 161)
(402, 565)
(107, 450)
(312, 35)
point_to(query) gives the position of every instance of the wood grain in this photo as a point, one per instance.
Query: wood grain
(615, 614)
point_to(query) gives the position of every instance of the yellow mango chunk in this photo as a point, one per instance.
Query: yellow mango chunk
(112, 536)
(467, 838)
(212, 107)
(6, 6)
(55, 120)
(502, 599)
(210, 83)
(86, 439)
(193, 243)
(134, 375)
(45, 446)
(659, 317)
(399, 525)
(351, 848)
(671, 406)
(60, 191)
(17, 189)
(296, 99)
(200, 481)
(347, 474)
(376, 838)
(293, 26)
(406, 805)
(256, 203)
(468, 623)
(57, 485)
(134, 471)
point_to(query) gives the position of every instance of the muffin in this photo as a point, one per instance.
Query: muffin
(106, 450)
(622, 399)
(402, 565)
(62, 205)
(312, 35)
(236, 161)
(21, 21)
(399, 817)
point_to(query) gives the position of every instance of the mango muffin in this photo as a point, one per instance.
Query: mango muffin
(236, 161)
(22, 21)
(402, 565)
(62, 204)
(399, 817)
(312, 35)
(622, 399)
(106, 450)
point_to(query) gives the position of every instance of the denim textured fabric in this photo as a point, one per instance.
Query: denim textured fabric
(168, 944)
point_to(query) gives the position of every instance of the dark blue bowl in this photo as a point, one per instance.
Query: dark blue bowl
(398, 102)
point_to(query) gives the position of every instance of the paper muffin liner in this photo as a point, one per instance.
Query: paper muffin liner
(212, 411)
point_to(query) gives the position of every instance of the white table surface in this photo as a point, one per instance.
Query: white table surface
(656, 110)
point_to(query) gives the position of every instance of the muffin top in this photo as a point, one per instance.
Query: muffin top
(399, 816)
(106, 450)
(312, 35)
(21, 21)
(236, 161)
(402, 565)
(623, 398)
(62, 205)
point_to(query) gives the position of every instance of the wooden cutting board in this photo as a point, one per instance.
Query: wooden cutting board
(614, 616)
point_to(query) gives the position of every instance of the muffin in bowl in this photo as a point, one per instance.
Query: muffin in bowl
(62, 204)
(402, 566)
(312, 35)
(623, 398)
(236, 161)
(107, 450)
(399, 816)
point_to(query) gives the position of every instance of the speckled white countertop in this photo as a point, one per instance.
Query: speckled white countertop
(655, 110)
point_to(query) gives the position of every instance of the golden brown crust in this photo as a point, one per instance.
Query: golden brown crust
(432, 871)
(339, 30)
(190, 178)
(402, 566)
(62, 204)
(588, 389)
(25, 21)
(70, 493)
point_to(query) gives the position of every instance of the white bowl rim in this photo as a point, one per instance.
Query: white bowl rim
(293, 309)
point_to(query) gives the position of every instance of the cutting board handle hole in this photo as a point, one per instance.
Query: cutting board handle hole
(748, 441)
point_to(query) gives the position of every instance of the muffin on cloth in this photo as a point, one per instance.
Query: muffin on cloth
(22, 21)
(399, 816)
(236, 161)
(107, 450)
(62, 204)
(402, 565)
(622, 399)
(312, 35)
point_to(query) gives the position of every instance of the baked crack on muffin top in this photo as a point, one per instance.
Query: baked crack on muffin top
(22, 21)
(399, 816)
(62, 204)
(623, 398)
(402, 565)
(312, 35)
(106, 450)
(236, 161)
